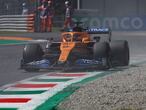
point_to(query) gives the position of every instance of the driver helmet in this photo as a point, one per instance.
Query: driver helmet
(49, 2)
(66, 3)
(67, 37)
(23, 4)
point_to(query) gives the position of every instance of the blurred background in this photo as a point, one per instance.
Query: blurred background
(103, 7)
(117, 14)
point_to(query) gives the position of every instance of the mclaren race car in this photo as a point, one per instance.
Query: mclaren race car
(77, 50)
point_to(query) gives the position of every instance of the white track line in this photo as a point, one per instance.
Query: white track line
(18, 96)
(11, 105)
(25, 89)
(35, 82)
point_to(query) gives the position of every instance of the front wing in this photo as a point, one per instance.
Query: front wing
(77, 65)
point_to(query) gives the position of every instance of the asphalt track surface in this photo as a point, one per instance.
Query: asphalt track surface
(10, 55)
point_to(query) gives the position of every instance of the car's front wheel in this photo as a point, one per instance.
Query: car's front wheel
(32, 52)
(101, 50)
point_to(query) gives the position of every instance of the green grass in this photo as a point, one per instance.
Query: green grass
(10, 32)
(3, 42)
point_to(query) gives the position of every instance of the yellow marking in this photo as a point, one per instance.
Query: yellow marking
(15, 38)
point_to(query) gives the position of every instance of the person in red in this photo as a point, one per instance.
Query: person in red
(46, 14)
(68, 15)
(50, 13)
(43, 15)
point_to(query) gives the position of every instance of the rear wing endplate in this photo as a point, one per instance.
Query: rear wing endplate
(100, 31)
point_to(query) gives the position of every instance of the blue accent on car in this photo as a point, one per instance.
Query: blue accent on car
(40, 64)
(87, 62)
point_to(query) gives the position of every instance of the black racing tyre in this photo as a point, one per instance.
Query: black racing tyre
(119, 53)
(32, 52)
(102, 50)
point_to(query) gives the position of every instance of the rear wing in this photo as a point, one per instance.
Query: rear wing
(100, 31)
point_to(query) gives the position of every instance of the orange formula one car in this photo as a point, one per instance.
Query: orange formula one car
(77, 50)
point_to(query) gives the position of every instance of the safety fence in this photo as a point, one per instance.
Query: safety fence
(19, 23)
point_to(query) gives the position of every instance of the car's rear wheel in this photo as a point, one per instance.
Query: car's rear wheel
(101, 50)
(32, 52)
(119, 53)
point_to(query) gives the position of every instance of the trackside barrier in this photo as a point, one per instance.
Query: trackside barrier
(18, 23)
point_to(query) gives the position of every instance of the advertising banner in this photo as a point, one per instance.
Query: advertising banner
(125, 23)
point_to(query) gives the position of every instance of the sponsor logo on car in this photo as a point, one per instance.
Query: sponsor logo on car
(41, 64)
(87, 62)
